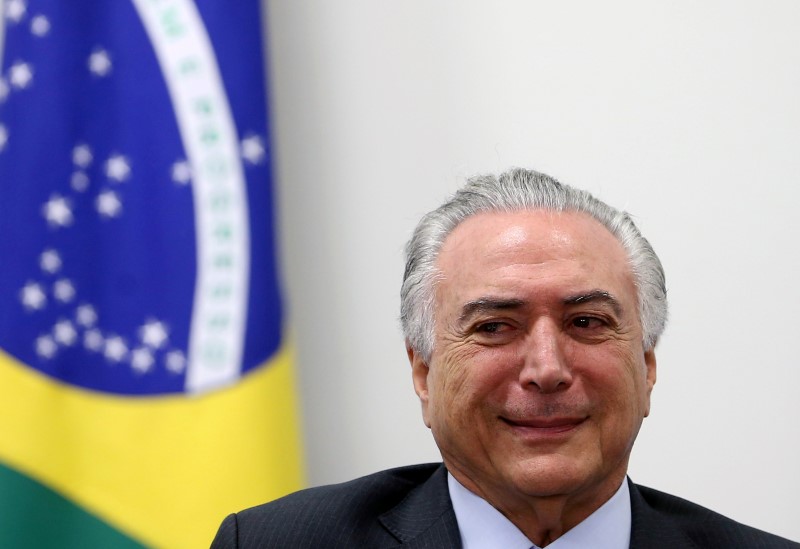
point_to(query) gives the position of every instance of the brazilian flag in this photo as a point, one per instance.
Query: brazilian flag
(146, 386)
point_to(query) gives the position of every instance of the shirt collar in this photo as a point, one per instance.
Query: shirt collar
(483, 527)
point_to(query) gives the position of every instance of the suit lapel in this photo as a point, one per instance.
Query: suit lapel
(651, 529)
(425, 518)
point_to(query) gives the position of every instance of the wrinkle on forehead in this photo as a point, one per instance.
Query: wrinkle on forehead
(502, 253)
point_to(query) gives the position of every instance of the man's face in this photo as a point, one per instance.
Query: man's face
(538, 382)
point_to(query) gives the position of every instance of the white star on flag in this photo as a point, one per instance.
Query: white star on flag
(15, 10)
(40, 25)
(63, 290)
(115, 349)
(142, 360)
(64, 332)
(82, 155)
(20, 75)
(253, 150)
(85, 315)
(3, 137)
(153, 334)
(118, 168)
(181, 172)
(93, 340)
(100, 62)
(176, 362)
(32, 296)
(50, 261)
(108, 204)
(45, 346)
(57, 211)
(79, 181)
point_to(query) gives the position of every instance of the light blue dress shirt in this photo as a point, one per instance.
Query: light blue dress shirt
(484, 527)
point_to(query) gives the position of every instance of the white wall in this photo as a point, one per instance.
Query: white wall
(684, 113)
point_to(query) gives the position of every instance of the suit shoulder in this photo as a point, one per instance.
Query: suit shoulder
(708, 528)
(383, 489)
(335, 515)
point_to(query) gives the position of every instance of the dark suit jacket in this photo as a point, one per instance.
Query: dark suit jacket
(410, 507)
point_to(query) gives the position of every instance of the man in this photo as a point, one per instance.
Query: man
(531, 312)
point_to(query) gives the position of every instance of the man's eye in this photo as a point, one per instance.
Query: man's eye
(490, 327)
(586, 322)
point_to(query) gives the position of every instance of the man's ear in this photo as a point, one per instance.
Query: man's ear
(419, 375)
(650, 379)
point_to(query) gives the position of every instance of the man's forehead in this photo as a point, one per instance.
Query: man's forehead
(499, 229)
(569, 252)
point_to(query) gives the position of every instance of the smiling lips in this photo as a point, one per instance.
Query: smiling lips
(546, 426)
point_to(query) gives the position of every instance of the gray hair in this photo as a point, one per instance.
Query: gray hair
(515, 190)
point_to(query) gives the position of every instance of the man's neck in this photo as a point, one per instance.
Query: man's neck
(543, 519)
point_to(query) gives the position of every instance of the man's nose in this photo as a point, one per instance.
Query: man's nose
(544, 363)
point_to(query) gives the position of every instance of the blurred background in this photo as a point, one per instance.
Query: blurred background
(683, 113)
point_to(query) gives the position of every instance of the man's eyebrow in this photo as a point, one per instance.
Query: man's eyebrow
(595, 296)
(484, 304)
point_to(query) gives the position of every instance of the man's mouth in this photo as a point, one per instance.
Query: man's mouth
(544, 426)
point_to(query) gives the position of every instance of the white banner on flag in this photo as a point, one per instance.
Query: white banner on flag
(210, 139)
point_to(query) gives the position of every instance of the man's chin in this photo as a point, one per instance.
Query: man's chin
(550, 475)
